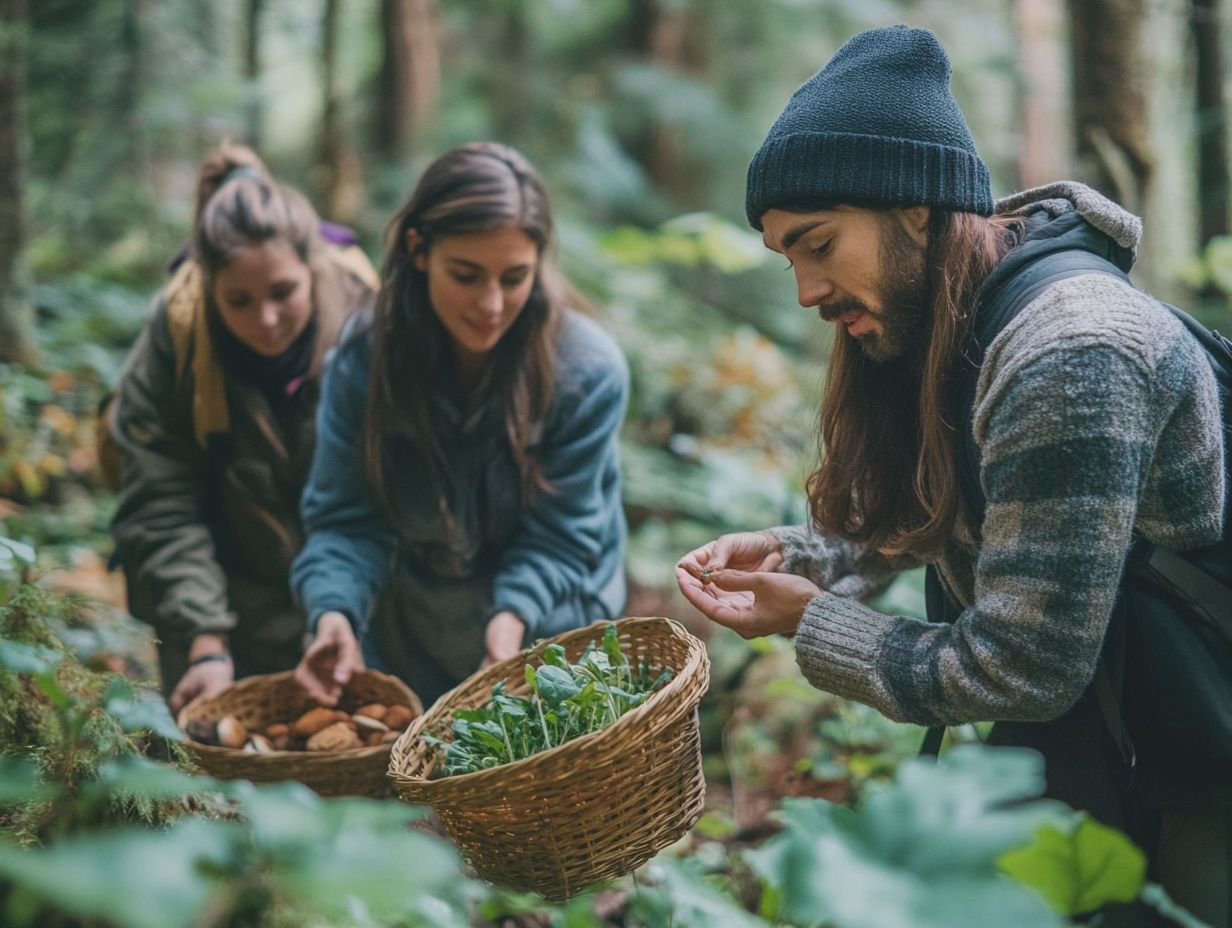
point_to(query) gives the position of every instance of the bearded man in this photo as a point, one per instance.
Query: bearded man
(1095, 416)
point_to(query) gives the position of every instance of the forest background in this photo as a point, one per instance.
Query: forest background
(642, 116)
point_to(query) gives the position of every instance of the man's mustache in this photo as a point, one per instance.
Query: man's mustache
(830, 312)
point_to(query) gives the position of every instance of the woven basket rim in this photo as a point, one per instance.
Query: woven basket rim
(695, 660)
(272, 756)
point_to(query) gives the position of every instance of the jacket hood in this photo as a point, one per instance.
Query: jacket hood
(1066, 216)
(1067, 196)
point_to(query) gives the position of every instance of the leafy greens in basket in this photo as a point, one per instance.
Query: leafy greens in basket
(566, 701)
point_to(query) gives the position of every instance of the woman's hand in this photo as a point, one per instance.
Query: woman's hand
(752, 603)
(738, 550)
(503, 638)
(330, 660)
(206, 678)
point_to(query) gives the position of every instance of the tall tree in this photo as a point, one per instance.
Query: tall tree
(1044, 142)
(16, 312)
(1212, 113)
(410, 76)
(1109, 86)
(670, 36)
(337, 168)
(255, 108)
(129, 87)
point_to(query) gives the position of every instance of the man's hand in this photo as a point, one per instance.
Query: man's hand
(503, 638)
(330, 660)
(751, 603)
(205, 679)
(738, 550)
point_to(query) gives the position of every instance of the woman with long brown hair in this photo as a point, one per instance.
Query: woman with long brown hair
(211, 429)
(465, 495)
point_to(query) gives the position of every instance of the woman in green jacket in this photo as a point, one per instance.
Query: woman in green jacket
(214, 426)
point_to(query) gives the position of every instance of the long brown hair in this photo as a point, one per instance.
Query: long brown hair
(478, 187)
(240, 206)
(886, 477)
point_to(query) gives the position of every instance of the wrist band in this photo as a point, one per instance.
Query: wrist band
(206, 658)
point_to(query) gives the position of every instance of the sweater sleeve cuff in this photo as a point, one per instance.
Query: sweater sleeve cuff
(523, 607)
(220, 624)
(314, 618)
(799, 548)
(837, 645)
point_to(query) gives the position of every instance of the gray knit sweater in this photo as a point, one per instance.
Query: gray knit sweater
(1095, 415)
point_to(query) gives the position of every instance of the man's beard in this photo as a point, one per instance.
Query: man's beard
(905, 313)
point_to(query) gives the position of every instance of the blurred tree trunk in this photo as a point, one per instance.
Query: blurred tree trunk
(337, 174)
(129, 87)
(410, 76)
(670, 37)
(254, 110)
(1109, 73)
(509, 89)
(1043, 150)
(16, 312)
(1213, 181)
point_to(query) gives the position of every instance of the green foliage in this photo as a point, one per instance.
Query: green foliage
(683, 895)
(289, 858)
(75, 724)
(920, 852)
(1212, 268)
(1079, 866)
(690, 239)
(567, 701)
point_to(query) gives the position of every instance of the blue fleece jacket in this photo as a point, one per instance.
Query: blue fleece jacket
(557, 562)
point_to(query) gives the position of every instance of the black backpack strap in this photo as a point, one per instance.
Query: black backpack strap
(995, 312)
(1172, 573)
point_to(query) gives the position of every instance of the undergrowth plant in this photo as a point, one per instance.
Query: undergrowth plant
(72, 724)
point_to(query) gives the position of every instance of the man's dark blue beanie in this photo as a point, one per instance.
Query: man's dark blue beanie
(876, 125)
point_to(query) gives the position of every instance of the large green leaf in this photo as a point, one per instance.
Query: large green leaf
(341, 856)
(140, 710)
(27, 658)
(922, 851)
(134, 775)
(133, 877)
(687, 899)
(1079, 868)
(556, 684)
(388, 871)
(19, 780)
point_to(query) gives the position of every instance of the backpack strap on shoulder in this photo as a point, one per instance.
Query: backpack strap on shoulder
(352, 259)
(996, 310)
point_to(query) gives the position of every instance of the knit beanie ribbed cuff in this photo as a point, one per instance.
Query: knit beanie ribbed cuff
(794, 169)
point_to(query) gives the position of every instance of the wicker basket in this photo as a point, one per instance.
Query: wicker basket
(593, 808)
(277, 697)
